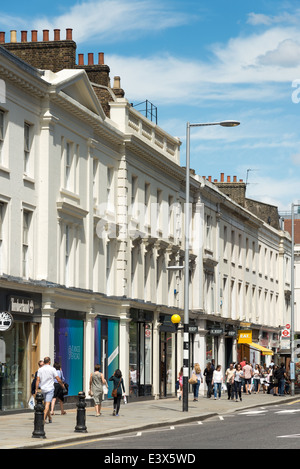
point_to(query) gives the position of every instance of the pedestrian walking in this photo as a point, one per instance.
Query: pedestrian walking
(197, 372)
(256, 378)
(58, 390)
(117, 390)
(40, 364)
(208, 373)
(247, 372)
(180, 380)
(97, 381)
(275, 380)
(45, 380)
(243, 363)
(217, 382)
(281, 379)
(237, 381)
(229, 381)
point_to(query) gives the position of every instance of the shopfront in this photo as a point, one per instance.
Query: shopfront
(69, 347)
(19, 347)
(169, 366)
(107, 347)
(141, 353)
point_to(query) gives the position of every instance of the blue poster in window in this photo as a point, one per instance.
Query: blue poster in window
(69, 352)
(113, 350)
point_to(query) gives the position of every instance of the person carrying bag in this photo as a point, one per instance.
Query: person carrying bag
(118, 384)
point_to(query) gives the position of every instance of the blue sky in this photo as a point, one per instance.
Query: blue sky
(200, 61)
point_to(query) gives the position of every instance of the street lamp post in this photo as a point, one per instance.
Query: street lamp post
(292, 335)
(185, 384)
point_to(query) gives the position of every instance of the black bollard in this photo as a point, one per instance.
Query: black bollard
(81, 427)
(39, 408)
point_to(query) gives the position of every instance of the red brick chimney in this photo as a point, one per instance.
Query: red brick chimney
(47, 54)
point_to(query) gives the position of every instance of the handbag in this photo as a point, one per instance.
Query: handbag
(65, 389)
(193, 379)
(114, 392)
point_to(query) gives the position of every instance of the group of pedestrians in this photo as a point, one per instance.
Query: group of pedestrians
(50, 380)
(239, 378)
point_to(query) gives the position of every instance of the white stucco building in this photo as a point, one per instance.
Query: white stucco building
(91, 216)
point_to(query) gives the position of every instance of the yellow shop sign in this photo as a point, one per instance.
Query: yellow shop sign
(245, 337)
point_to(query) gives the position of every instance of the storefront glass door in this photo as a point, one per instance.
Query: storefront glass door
(167, 363)
(14, 371)
(140, 358)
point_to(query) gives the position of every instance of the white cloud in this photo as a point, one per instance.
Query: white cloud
(109, 20)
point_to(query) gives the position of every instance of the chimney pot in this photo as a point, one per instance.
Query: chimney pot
(209, 178)
(2, 37)
(34, 35)
(90, 58)
(69, 34)
(23, 36)
(234, 179)
(215, 180)
(222, 177)
(45, 35)
(100, 58)
(13, 35)
(80, 59)
(117, 82)
(228, 178)
(56, 34)
(241, 180)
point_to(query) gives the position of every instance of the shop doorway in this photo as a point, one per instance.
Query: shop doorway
(140, 359)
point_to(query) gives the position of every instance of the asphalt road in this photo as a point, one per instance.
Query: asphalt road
(270, 427)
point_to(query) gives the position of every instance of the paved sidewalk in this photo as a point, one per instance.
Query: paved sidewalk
(16, 429)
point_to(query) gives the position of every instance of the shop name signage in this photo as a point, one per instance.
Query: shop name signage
(6, 321)
(21, 305)
(245, 337)
(216, 331)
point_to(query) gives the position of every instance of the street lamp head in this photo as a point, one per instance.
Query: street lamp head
(229, 123)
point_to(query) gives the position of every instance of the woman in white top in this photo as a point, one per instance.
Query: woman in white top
(217, 381)
(256, 378)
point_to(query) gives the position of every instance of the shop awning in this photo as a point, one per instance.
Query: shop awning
(263, 350)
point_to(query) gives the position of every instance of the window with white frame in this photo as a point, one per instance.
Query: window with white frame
(27, 146)
(69, 166)
(134, 197)
(109, 268)
(110, 189)
(2, 116)
(171, 216)
(209, 231)
(147, 204)
(67, 254)
(159, 196)
(95, 181)
(27, 217)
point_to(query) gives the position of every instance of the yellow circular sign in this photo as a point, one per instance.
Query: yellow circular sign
(175, 319)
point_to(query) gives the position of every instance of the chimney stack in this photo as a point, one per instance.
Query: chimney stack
(45, 35)
(100, 58)
(13, 35)
(23, 36)
(56, 34)
(34, 35)
(69, 34)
